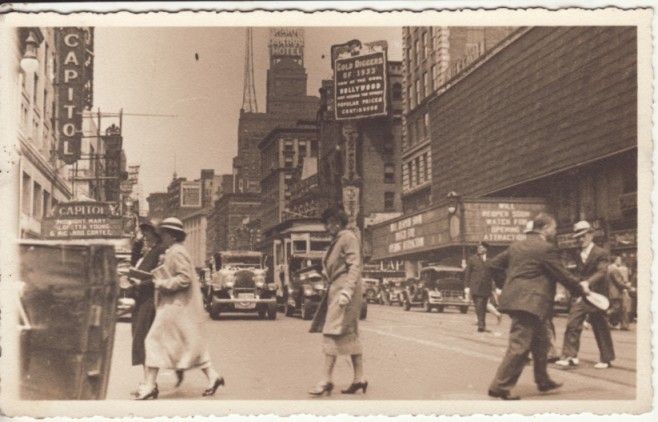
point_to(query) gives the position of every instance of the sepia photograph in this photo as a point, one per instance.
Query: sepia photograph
(324, 213)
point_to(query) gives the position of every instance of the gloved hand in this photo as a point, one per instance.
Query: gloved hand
(585, 286)
(498, 291)
(343, 301)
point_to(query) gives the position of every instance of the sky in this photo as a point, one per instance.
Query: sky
(154, 71)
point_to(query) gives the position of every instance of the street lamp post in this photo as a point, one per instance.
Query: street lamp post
(456, 205)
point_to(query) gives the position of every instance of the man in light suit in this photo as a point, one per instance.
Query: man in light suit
(592, 267)
(532, 266)
(478, 282)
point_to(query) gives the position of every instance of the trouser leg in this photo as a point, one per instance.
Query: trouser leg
(551, 338)
(602, 336)
(480, 303)
(540, 346)
(625, 309)
(520, 339)
(615, 311)
(574, 329)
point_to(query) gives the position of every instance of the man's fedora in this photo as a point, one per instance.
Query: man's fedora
(173, 224)
(581, 228)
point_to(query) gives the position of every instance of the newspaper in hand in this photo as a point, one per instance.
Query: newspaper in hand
(161, 273)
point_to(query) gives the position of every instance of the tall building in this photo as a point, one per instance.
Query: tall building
(505, 135)
(35, 62)
(158, 202)
(432, 56)
(283, 152)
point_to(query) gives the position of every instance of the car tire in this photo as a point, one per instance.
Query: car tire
(306, 310)
(214, 314)
(439, 308)
(463, 309)
(262, 312)
(271, 312)
(288, 310)
(406, 305)
(426, 306)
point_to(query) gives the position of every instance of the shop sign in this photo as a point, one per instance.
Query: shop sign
(351, 202)
(84, 220)
(360, 86)
(287, 42)
(190, 195)
(70, 92)
(499, 222)
(350, 133)
(623, 239)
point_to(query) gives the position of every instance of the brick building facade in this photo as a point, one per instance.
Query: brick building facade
(230, 223)
(157, 205)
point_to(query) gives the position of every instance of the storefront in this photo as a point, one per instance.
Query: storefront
(448, 234)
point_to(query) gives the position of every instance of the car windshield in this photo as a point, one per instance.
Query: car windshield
(241, 261)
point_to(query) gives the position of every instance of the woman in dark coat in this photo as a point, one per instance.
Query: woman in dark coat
(338, 315)
(145, 255)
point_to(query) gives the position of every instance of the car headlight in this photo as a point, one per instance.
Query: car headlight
(318, 286)
(260, 283)
(229, 283)
(308, 290)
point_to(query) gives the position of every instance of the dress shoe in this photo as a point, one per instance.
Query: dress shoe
(602, 365)
(211, 390)
(567, 362)
(553, 359)
(322, 389)
(551, 385)
(356, 386)
(145, 392)
(504, 395)
(180, 375)
(483, 330)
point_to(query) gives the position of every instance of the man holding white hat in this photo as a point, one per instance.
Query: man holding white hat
(592, 267)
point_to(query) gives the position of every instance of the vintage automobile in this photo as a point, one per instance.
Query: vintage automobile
(239, 285)
(562, 300)
(392, 292)
(414, 294)
(444, 286)
(305, 292)
(372, 290)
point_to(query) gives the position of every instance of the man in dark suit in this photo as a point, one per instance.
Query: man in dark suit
(532, 266)
(478, 282)
(592, 267)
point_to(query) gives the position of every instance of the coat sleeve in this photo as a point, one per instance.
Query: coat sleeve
(180, 278)
(553, 265)
(601, 274)
(351, 253)
(617, 279)
(498, 267)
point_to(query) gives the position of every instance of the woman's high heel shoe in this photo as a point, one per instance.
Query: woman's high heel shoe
(211, 391)
(144, 394)
(180, 375)
(322, 389)
(356, 386)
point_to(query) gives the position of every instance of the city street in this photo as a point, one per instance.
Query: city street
(408, 355)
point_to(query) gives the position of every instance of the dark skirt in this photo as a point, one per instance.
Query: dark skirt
(142, 319)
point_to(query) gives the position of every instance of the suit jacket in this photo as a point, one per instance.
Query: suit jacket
(533, 267)
(616, 285)
(478, 277)
(342, 268)
(595, 270)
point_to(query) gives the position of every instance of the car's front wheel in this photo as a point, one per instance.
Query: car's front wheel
(406, 305)
(439, 308)
(426, 306)
(271, 311)
(463, 309)
(214, 314)
(306, 310)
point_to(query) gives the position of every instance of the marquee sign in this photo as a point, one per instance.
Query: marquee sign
(70, 91)
(84, 220)
(360, 89)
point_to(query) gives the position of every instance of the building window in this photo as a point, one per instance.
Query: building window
(410, 96)
(420, 130)
(412, 134)
(426, 125)
(389, 201)
(416, 51)
(405, 176)
(26, 194)
(413, 173)
(397, 92)
(426, 46)
(427, 82)
(45, 104)
(418, 94)
(46, 203)
(37, 198)
(428, 166)
(435, 77)
(417, 172)
(389, 173)
(35, 90)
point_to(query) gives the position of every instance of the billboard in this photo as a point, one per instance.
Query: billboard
(71, 97)
(360, 89)
(84, 220)
(287, 42)
(190, 195)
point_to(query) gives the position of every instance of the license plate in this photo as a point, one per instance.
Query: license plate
(246, 296)
(245, 305)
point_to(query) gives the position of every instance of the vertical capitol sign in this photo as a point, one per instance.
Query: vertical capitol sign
(71, 96)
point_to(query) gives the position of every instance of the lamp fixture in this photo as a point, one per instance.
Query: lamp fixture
(453, 197)
(29, 62)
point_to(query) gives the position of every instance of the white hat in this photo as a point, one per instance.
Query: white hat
(172, 223)
(581, 228)
(529, 227)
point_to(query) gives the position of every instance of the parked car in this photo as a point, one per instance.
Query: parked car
(305, 292)
(240, 286)
(444, 286)
(562, 300)
(414, 294)
(372, 289)
(392, 292)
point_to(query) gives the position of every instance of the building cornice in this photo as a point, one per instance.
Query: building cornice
(34, 156)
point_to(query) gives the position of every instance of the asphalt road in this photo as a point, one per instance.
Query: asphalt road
(407, 355)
